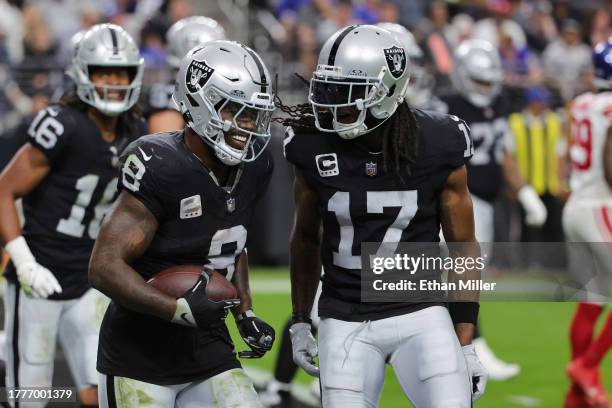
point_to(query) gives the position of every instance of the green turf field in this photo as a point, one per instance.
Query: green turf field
(531, 334)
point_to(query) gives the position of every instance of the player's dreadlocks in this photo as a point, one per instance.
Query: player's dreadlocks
(400, 142)
(400, 133)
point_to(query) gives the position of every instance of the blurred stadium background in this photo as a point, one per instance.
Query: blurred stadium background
(542, 43)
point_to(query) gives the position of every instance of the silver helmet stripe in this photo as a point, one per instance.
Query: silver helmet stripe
(334, 48)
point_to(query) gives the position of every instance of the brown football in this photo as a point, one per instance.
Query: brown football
(177, 280)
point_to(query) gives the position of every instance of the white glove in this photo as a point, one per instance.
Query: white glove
(35, 279)
(304, 347)
(535, 211)
(476, 371)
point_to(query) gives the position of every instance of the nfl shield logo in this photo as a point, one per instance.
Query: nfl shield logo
(371, 169)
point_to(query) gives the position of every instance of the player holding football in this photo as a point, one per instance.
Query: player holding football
(375, 169)
(187, 197)
(66, 176)
(587, 218)
(159, 109)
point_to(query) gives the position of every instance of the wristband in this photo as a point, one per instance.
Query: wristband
(300, 318)
(182, 314)
(464, 312)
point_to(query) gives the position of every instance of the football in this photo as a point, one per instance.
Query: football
(177, 280)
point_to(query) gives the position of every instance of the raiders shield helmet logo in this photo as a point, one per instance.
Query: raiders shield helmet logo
(396, 60)
(198, 73)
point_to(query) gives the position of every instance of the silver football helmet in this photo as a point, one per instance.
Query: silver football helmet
(189, 32)
(226, 76)
(107, 45)
(362, 74)
(418, 92)
(478, 73)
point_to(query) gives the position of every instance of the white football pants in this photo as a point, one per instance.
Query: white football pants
(422, 348)
(590, 222)
(32, 329)
(229, 389)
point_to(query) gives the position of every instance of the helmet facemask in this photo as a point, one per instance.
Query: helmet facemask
(340, 103)
(101, 96)
(480, 92)
(478, 74)
(226, 115)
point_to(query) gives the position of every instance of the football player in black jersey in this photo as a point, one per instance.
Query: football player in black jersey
(418, 95)
(373, 169)
(66, 176)
(159, 109)
(478, 77)
(187, 197)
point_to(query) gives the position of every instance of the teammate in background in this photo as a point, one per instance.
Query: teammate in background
(66, 176)
(187, 197)
(478, 78)
(587, 218)
(373, 169)
(419, 92)
(159, 109)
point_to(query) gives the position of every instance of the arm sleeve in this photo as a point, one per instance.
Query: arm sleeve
(140, 176)
(464, 312)
(50, 131)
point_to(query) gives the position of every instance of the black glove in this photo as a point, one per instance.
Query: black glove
(256, 333)
(194, 309)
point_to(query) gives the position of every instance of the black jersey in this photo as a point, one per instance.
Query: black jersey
(200, 223)
(360, 203)
(158, 98)
(490, 133)
(64, 212)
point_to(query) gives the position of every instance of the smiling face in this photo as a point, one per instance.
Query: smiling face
(103, 77)
(247, 120)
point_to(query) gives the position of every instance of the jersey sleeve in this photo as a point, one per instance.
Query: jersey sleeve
(139, 176)
(461, 147)
(51, 131)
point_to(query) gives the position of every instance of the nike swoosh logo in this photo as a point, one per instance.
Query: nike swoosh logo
(183, 316)
(144, 155)
(236, 79)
